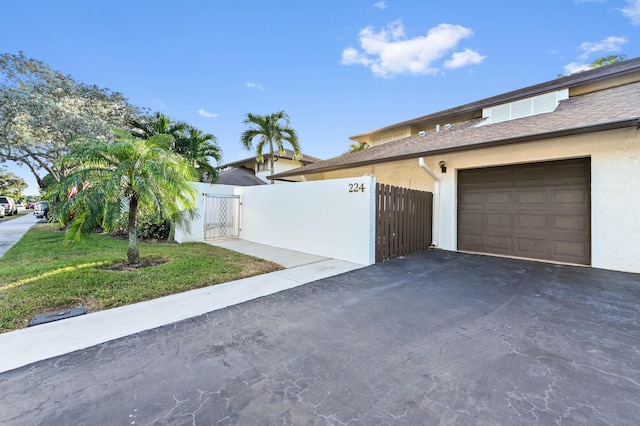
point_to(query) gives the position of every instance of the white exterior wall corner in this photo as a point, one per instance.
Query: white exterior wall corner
(615, 189)
(196, 233)
(317, 217)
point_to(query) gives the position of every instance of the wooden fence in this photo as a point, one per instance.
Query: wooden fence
(403, 221)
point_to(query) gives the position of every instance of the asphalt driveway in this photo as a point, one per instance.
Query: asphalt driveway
(434, 338)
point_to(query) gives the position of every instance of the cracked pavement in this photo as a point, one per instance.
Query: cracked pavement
(434, 338)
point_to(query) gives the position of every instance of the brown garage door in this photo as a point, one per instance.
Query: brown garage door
(538, 210)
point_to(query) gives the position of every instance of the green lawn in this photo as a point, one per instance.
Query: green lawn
(41, 274)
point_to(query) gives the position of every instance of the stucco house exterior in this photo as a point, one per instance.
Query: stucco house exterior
(235, 173)
(549, 172)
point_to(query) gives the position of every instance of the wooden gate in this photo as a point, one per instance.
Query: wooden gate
(403, 221)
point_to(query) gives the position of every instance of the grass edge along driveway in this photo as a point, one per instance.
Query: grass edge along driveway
(41, 274)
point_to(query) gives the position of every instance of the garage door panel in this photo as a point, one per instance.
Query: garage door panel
(567, 251)
(473, 242)
(472, 220)
(532, 175)
(471, 179)
(500, 244)
(571, 172)
(537, 210)
(531, 222)
(495, 177)
(570, 223)
(532, 198)
(471, 199)
(498, 219)
(571, 196)
(498, 198)
(531, 247)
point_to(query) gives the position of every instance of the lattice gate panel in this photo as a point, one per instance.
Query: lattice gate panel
(222, 216)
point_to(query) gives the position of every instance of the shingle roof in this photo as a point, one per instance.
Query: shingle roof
(606, 109)
(240, 176)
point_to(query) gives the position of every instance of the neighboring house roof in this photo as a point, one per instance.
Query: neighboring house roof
(288, 154)
(612, 108)
(239, 176)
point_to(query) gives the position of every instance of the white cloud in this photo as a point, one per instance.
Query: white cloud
(380, 5)
(159, 103)
(575, 67)
(464, 58)
(203, 113)
(389, 52)
(609, 44)
(253, 86)
(632, 11)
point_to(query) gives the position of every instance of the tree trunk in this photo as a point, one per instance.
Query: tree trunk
(172, 229)
(271, 164)
(133, 255)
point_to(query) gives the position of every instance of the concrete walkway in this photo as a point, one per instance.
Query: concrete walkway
(12, 230)
(61, 337)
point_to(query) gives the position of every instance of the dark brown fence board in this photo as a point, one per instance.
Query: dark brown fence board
(403, 221)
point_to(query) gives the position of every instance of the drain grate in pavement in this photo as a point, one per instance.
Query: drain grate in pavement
(56, 316)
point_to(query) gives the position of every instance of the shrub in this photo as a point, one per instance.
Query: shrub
(150, 227)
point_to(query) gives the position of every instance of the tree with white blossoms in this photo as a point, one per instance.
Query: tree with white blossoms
(10, 184)
(42, 110)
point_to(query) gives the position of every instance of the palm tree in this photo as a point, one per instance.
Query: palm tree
(273, 130)
(354, 147)
(191, 143)
(157, 124)
(124, 176)
(197, 148)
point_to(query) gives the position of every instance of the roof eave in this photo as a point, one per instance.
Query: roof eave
(613, 125)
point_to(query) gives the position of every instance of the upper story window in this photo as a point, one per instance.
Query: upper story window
(264, 166)
(524, 107)
(387, 138)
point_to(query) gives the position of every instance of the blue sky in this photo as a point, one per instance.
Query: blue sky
(338, 68)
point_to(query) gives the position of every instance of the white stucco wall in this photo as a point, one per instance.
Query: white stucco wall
(321, 217)
(615, 192)
(197, 225)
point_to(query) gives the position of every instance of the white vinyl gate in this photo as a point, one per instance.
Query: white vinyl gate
(222, 216)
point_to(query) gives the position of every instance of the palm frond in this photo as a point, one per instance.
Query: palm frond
(117, 172)
(274, 130)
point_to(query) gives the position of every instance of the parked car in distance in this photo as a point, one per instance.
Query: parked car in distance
(42, 209)
(9, 204)
(30, 206)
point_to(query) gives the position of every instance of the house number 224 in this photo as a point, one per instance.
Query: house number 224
(356, 187)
